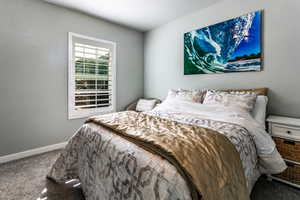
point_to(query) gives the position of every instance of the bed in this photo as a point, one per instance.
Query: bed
(113, 156)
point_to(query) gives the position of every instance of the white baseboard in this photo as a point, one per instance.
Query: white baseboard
(31, 152)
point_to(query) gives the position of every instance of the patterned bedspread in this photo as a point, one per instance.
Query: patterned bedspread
(110, 167)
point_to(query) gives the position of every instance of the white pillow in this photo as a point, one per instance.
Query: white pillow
(145, 105)
(259, 111)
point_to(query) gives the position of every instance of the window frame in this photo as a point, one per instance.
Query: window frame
(72, 112)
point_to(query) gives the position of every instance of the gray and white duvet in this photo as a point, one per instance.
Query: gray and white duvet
(110, 167)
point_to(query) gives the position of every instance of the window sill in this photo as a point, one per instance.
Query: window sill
(86, 114)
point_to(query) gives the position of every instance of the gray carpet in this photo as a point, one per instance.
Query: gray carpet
(25, 180)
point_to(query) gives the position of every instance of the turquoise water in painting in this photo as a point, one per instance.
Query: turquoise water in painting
(230, 46)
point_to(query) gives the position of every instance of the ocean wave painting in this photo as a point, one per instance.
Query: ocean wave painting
(230, 46)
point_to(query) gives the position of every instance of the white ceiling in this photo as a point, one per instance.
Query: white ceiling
(143, 15)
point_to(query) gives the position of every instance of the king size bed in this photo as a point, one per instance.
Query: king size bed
(191, 146)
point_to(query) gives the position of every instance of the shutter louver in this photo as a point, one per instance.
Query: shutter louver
(93, 77)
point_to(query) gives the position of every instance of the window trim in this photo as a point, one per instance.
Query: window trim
(75, 114)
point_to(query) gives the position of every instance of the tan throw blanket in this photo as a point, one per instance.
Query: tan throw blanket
(206, 159)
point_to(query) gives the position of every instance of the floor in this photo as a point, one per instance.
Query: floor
(25, 180)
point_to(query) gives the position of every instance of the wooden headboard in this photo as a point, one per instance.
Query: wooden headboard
(259, 91)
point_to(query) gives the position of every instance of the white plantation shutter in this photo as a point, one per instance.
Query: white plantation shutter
(91, 76)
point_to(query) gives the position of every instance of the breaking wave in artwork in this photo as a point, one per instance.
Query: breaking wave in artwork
(210, 49)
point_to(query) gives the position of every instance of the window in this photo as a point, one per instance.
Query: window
(91, 76)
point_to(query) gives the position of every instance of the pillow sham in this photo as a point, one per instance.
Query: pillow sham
(192, 95)
(244, 100)
(145, 105)
(259, 91)
(259, 111)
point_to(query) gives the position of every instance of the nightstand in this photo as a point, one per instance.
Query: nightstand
(285, 132)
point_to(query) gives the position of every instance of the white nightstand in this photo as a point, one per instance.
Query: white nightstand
(285, 131)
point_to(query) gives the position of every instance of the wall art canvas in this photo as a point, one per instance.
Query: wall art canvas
(230, 46)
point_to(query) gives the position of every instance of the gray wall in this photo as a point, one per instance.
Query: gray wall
(33, 76)
(164, 54)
